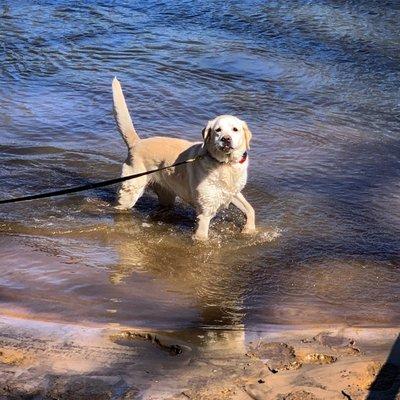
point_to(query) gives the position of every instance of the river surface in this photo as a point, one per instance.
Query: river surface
(318, 83)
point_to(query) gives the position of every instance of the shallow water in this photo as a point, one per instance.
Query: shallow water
(318, 84)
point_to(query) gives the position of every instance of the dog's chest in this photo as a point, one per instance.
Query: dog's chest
(222, 184)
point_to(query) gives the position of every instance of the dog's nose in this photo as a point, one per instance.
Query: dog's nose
(226, 140)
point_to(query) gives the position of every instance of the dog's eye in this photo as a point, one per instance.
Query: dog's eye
(235, 129)
(218, 130)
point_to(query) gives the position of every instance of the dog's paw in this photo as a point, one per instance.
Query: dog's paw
(199, 238)
(121, 208)
(249, 230)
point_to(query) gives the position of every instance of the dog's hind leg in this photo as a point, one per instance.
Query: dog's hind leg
(166, 198)
(131, 190)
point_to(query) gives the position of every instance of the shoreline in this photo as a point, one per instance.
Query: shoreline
(47, 360)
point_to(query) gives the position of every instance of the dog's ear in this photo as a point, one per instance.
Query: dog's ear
(207, 131)
(247, 134)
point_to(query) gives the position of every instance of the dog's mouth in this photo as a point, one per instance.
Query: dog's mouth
(226, 148)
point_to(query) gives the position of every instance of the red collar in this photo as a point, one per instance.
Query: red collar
(244, 158)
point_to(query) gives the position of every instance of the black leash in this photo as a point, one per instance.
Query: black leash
(93, 185)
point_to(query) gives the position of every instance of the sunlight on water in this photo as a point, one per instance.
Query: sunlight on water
(317, 83)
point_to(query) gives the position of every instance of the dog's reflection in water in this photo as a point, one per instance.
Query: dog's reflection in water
(206, 273)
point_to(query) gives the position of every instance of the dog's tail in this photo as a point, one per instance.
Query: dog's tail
(122, 116)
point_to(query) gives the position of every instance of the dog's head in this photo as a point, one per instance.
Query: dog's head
(226, 138)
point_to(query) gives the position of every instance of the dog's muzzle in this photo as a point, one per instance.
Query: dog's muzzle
(225, 144)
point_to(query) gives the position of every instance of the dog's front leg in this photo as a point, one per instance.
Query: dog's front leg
(243, 205)
(203, 223)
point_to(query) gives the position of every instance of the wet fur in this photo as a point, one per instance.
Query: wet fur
(208, 184)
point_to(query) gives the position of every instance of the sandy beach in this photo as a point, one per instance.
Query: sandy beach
(50, 360)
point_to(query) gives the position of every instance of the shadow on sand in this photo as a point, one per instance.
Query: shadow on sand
(386, 385)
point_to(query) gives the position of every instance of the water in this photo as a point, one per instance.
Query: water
(318, 84)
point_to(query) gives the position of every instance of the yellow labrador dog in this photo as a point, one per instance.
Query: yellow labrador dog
(210, 183)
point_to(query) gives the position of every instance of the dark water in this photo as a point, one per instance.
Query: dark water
(318, 84)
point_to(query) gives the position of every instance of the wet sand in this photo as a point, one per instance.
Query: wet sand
(52, 360)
